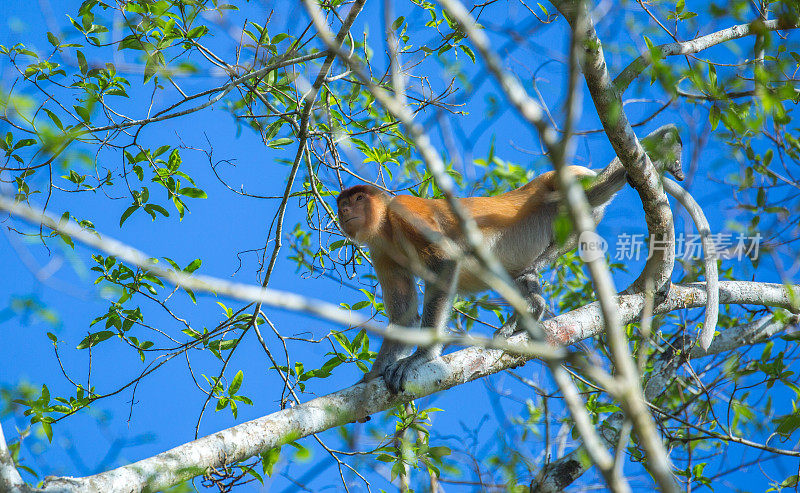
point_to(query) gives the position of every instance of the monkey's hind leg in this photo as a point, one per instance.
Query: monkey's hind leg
(389, 353)
(530, 287)
(528, 283)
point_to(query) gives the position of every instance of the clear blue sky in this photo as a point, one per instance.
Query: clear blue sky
(165, 406)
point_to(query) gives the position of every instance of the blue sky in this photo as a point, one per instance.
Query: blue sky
(166, 405)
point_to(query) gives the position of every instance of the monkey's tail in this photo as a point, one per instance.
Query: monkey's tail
(664, 148)
(607, 184)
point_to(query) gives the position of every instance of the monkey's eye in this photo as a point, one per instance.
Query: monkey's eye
(359, 197)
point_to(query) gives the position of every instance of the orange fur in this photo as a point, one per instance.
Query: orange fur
(405, 236)
(398, 230)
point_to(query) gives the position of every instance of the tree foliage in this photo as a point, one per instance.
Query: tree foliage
(157, 121)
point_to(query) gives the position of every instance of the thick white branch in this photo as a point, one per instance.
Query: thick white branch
(9, 476)
(585, 321)
(251, 438)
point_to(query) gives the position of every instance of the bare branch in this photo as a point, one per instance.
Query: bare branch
(564, 471)
(636, 67)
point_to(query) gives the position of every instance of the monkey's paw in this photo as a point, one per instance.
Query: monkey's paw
(397, 373)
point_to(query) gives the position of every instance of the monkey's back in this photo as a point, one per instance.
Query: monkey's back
(516, 225)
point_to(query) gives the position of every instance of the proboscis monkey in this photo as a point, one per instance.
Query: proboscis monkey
(401, 233)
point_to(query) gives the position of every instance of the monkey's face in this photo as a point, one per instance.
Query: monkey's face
(355, 215)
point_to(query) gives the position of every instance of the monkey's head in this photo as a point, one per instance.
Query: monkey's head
(361, 212)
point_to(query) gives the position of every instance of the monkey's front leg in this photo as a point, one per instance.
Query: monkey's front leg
(436, 307)
(400, 300)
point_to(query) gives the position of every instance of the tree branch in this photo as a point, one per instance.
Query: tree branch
(253, 437)
(9, 476)
(638, 166)
(636, 67)
(561, 473)
(658, 268)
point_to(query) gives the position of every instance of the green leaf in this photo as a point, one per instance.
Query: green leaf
(790, 482)
(127, 213)
(76, 24)
(96, 338)
(360, 305)
(192, 333)
(194, 193)
(713, 117)
(84, 113)
(468, 51)
(179, 206)
(66, 239)
(278, 38)
(48, 430)
(161, 150)
(302, 453)
(24, 143)
(787, 424)
(82, 62)
(358, 341)
(157, 208)
(196, 263)
(280, 142)
(544, 10)
(191, 295)
(154, 62)
(439, 452)
(197, 32)
(132, 42)
(242, 399)
(236, 384)
(252, 472)
(55, 119)
(269, 459)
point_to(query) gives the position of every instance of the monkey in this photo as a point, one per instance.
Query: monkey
(401, 232)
